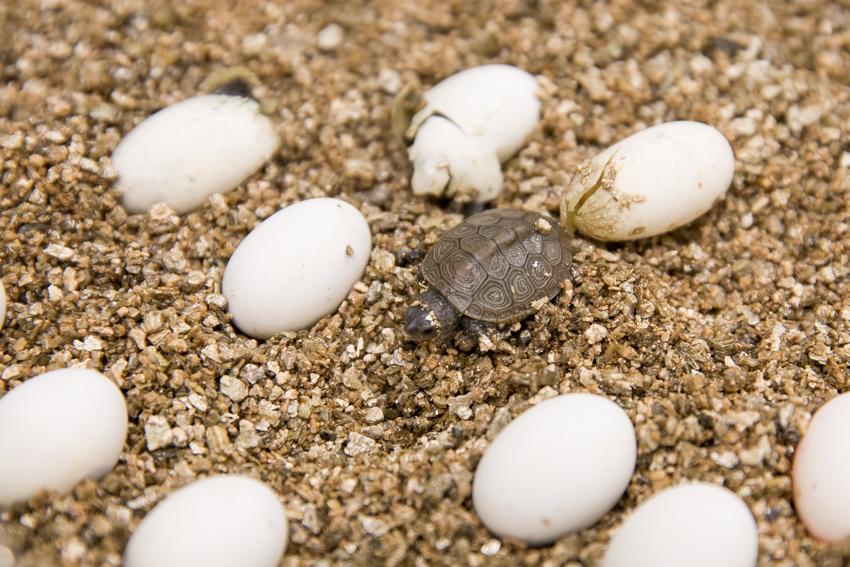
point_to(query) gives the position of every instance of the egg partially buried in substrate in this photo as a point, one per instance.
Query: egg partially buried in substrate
(221, 521)
(652, 182)
(555, 469)
(470, 124)
(693, 524)
(57, 429)
(187, 151)
(296, 266)
(821, 472)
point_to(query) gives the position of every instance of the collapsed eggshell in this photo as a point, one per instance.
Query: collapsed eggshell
(296, 266)
(57, 429)
(186, 152)
(821, 473)
(452, 162)
(696, 524)
(652, 182)
(555, 469)
(497, 103)
(216, 522)
(487, 113)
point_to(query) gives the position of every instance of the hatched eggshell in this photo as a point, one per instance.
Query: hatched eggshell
(496, 103)
(452, 165)
(471, 122)
(186, 152)
(696, 524)
(296, 266)
(555, 469)
(57, 429)
(220, 521)
(652, 182)
(821, 472)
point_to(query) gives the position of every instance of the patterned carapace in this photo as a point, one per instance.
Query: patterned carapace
(497, 265)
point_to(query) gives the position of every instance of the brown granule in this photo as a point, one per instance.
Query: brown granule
(719, 339)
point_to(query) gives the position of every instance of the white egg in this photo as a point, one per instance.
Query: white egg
(652, 182)
(186, 152)
(57, 429)
(555, 469)
(296, 266)
(485, 115)
(821, 473)
(2, 304)
(220, 521)
(697, 524)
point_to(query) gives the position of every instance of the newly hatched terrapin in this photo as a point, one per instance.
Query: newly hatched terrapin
(498, 266)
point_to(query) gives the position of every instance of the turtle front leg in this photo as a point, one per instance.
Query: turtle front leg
(475, 333)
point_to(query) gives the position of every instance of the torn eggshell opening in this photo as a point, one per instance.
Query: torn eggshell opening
(446, 161)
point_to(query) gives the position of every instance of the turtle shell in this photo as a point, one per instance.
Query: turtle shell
(500, 265)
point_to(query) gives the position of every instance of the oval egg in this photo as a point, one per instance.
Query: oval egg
(698, 525)
(220, 521)
(555, 469)
(186, 152)
(296, 266)
(57, 429)
(654, 181)
(821, 472)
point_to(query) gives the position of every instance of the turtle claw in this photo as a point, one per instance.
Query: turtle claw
(475, 333)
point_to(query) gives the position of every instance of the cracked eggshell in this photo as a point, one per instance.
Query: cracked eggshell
(556, 469)
(471, 123)
(220, 521)
(186, 152)
(821, 473)
(296, 266)
(652, 182)
(695, 524)
(497, 103)
(57, 429)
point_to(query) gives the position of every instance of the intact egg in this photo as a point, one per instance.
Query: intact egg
(471, 123)
(57, 429)
(695, 524)
(220, 521)
(821, 472)
(555, 469)
(296, 266)
(652, 182)
(186, 152)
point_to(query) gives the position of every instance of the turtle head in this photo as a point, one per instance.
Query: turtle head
(420, 324)
(432, 317)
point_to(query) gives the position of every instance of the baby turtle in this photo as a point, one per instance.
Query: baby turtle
(497, 266)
